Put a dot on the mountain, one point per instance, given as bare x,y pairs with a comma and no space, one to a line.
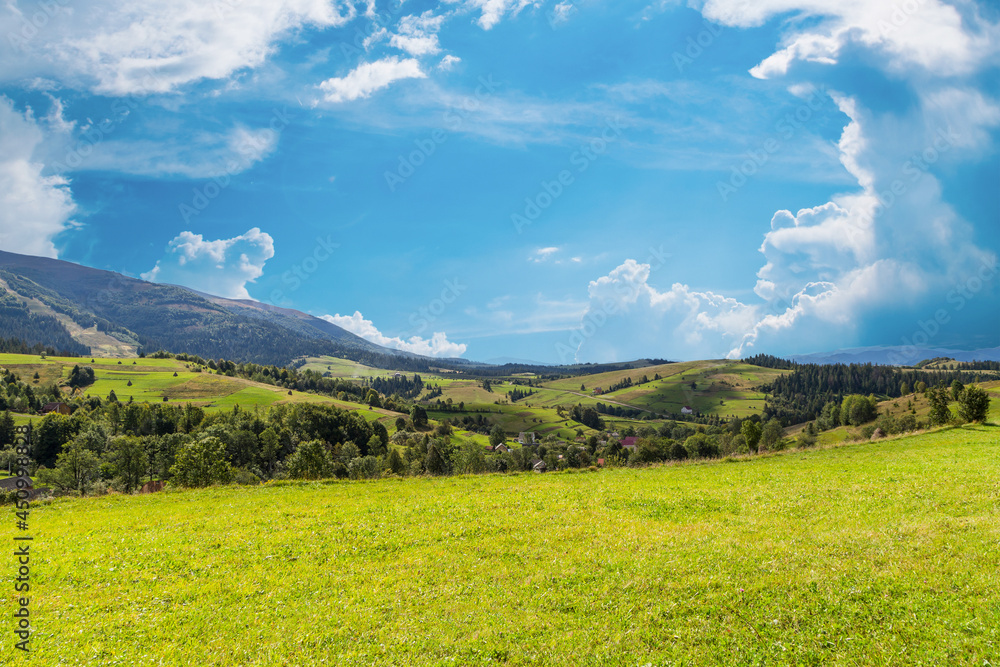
895,356
88,311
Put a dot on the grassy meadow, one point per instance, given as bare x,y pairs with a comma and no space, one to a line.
874,553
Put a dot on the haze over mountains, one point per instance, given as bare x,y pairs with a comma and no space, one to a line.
89,311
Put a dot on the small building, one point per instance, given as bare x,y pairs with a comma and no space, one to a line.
687,411
600,462
153,487
598,391
526,437
59,408
10,484
539,466
502,448
629,443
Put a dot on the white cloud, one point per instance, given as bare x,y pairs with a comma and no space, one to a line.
149,46
222,267
368,78
437,345
448,62
493,11
204,155
561,13
889,245
927,33
418,34
34,208
543,254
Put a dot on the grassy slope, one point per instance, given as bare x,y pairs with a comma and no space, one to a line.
725,388
866,554
153,379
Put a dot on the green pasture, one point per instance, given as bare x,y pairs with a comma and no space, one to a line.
867,554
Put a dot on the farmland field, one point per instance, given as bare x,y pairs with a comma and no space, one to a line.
875,553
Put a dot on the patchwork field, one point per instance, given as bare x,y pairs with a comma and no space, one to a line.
877,554
153,380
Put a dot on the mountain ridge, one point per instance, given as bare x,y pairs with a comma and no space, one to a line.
146,316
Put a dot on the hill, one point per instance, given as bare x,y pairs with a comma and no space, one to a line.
88,311
864,554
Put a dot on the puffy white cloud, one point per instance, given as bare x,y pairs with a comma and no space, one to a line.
34,207
493,11
418,34
437,345
627,314
148,46
891,245
926,33
368,78
448,62
222,267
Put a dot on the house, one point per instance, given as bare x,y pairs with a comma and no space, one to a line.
152,487
687,411
502,448
10,484
629,443
600,462
598,391
539,466
526,438
60,408
398,375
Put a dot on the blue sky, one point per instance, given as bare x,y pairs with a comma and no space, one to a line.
553,181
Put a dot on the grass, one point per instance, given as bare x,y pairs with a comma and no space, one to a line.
864,554
152,380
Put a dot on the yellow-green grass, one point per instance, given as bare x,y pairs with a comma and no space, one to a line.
721,388
916,404
877,554
724,388
345,368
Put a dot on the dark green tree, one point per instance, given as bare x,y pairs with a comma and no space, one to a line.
751,433
974,404
938,397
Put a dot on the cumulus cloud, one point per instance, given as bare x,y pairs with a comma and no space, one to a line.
368,78
892,245
148,46
222,267
437,345
493,11
417,35
926,33
34,207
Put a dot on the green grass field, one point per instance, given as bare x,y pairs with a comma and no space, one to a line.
868,554
152,380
